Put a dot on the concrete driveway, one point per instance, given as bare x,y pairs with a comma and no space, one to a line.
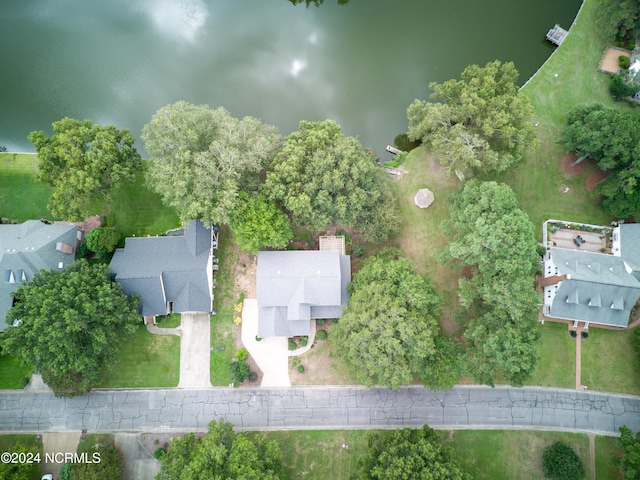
271,354
54,443
195,350
137,461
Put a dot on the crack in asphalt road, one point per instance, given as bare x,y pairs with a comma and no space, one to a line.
321,407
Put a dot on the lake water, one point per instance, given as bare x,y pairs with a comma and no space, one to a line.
118,61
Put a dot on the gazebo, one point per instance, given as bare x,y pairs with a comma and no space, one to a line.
424,198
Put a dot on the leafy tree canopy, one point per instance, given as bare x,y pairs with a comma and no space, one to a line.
561,462
480,124
630,461
618,19
20,471
256,223
222,454
203,158
386,334
82,161
102,240
110,466
408,454
68,325
495,239
323,178
612,138
607,135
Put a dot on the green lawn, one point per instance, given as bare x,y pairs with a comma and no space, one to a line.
511,454
94,438
145,361
222,322
568,78
420,234
606,453
557,363
8,441
139,211
21,196
610,361
318,454
11,372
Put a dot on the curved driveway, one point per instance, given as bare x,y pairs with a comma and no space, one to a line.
320,407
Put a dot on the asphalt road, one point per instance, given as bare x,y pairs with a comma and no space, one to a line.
320,407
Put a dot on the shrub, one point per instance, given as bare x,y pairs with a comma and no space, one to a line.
321,335
303,342
102,240
239,371
253,376
24,381
83,250
292,345
624,61
159,453
620,87
156,441
358,251
258,339
110,221
65,471
561,462
301,368
320,321
242,354
334,321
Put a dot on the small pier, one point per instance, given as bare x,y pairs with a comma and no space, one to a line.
557,35
393,150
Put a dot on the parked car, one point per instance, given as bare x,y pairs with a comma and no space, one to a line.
47,476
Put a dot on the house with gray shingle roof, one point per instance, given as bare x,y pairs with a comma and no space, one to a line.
294,287
27,248
170,274
594,287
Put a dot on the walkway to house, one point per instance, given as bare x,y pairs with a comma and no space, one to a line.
579,330
271,354
195,348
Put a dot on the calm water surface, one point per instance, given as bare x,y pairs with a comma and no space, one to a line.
118,61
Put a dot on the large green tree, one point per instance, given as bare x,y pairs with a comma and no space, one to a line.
102,240
68,325
21,470
492,237
109,466
612,138
478,125
222,454
256,223
630,461
619,19
561,462
409,454
387,334
322,177
84,162
202,158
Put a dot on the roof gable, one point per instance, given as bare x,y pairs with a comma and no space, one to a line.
179,266
293,286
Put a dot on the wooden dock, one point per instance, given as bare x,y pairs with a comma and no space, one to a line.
557,35
393,150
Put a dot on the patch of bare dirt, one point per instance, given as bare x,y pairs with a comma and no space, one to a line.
245,276
320,367
568,168
595,178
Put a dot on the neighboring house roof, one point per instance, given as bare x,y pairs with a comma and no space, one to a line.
296,286
27,248
598,288
174,269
